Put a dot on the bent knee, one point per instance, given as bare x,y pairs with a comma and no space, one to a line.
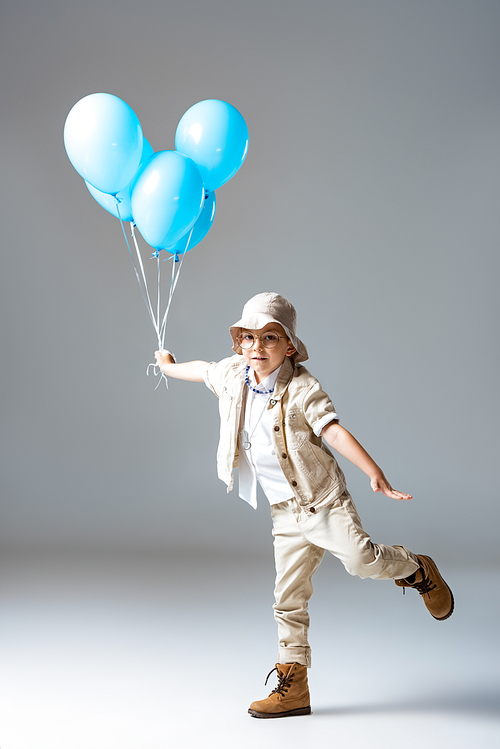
362,562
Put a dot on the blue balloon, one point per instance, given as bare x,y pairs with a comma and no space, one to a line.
124,196
103,139
200,229
214,134
167,198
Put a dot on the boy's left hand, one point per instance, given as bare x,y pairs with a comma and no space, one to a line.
382,485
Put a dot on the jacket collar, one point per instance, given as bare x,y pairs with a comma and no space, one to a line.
284,377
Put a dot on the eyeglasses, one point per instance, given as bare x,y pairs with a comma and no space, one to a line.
268,340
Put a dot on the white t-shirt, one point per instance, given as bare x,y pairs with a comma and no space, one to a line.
259,461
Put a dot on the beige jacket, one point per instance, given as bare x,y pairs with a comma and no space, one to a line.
297,403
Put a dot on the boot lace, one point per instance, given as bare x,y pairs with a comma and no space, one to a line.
424,587
284,681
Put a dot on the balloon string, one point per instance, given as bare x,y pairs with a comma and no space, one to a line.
158,373
156,369
173,284
158,279
143,285
141,265
144,292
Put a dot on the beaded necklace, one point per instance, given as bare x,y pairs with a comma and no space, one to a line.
246,439
247,382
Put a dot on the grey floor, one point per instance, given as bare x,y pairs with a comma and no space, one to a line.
154,652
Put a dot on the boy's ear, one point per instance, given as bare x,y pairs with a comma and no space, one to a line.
291,350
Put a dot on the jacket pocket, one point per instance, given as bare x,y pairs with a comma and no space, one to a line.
296,430
320,471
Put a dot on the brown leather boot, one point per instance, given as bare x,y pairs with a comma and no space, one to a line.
290,697
436,594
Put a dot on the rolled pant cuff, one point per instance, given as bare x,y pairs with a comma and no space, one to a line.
411,557
295,655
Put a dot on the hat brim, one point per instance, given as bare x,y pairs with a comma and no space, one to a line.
259,320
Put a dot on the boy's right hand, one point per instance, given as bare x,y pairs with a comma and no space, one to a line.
164,357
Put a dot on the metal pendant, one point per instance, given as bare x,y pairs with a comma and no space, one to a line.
245,441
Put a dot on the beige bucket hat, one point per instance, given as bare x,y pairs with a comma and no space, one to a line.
264,308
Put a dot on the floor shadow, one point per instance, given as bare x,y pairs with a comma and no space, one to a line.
484,704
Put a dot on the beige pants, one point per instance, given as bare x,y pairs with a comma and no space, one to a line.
300,542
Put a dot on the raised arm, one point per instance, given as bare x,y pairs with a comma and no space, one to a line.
344,443
192,371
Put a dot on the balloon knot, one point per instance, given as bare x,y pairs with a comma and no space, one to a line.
156,254
176,258
158,373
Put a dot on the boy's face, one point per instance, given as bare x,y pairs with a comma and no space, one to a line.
265,360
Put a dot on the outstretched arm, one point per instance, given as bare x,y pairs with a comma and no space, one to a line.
191,371
344,443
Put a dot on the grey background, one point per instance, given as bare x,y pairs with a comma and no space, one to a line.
135,593
369,198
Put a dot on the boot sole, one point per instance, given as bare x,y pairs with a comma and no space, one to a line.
288,713
443,618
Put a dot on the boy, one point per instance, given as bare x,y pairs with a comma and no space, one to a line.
274,418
